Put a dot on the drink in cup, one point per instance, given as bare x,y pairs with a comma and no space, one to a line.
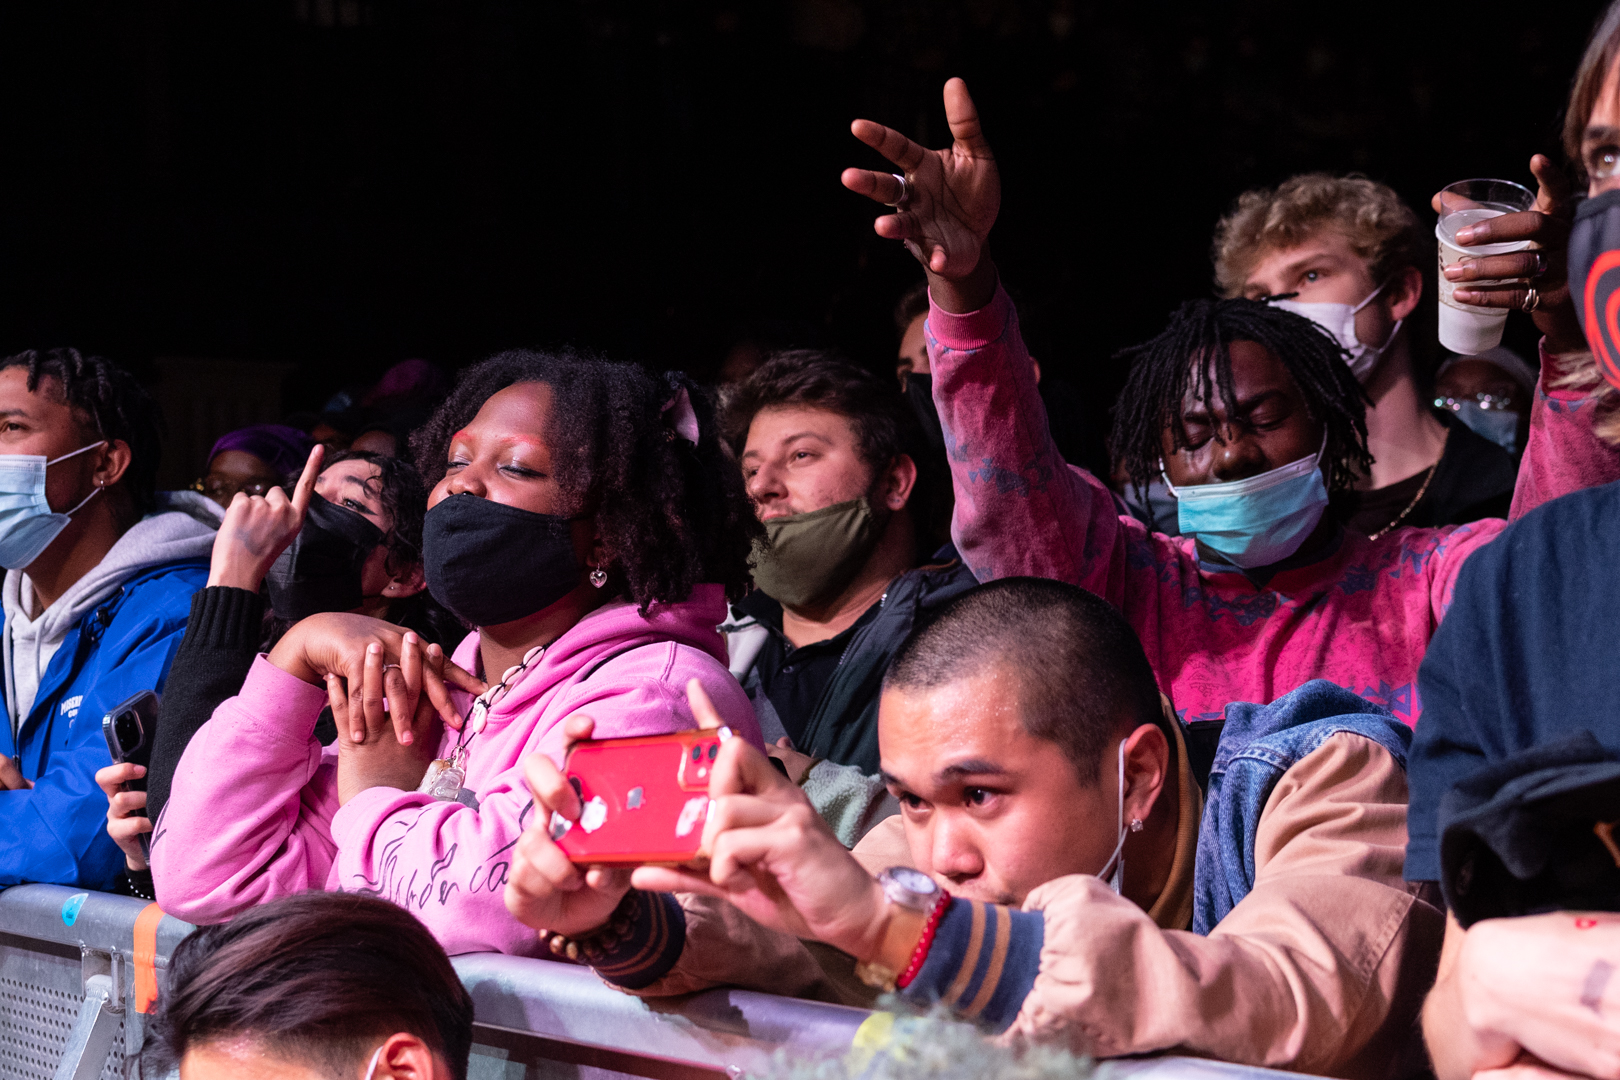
1465,328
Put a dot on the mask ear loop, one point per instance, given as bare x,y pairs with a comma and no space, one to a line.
376,1057
93,491
1114,869
1384,348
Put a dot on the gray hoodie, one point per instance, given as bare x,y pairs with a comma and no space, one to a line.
182,527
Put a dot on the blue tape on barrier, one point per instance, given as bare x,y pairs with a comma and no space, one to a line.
71,906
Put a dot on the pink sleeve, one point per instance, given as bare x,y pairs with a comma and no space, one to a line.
1020,509
1563,453
249,816
448,863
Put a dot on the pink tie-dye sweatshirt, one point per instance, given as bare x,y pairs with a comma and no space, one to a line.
1361,614
254,813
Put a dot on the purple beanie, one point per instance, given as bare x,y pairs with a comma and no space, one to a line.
283,448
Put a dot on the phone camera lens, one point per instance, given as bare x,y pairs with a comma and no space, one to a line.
697,753
714,751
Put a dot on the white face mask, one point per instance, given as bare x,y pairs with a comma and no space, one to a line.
27,523
1339,320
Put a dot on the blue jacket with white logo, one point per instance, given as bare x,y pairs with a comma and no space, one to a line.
56,831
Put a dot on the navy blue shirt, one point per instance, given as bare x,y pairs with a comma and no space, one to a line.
1525,655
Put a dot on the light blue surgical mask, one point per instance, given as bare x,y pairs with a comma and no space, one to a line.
27,523
1498,425
1258,520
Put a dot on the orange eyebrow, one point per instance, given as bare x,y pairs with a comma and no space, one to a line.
462,434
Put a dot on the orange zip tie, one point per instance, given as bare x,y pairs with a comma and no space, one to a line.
146,928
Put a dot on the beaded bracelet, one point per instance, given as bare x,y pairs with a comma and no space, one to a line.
595,946
919,955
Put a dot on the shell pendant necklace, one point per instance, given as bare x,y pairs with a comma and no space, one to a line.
445,776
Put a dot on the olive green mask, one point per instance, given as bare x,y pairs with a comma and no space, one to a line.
813,557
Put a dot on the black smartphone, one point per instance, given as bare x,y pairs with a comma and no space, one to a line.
129,729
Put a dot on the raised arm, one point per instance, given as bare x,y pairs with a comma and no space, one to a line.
1019,508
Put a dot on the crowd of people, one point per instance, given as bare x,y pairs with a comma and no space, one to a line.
1282,744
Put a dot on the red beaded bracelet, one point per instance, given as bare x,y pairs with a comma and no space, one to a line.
919,955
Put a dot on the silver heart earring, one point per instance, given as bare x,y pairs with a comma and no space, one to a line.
598,577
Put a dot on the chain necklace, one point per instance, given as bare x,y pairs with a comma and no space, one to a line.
1400,517
445,776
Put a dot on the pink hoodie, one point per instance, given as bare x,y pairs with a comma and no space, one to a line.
254,813
1360,615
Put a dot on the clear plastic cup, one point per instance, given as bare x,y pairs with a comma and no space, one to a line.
1465,328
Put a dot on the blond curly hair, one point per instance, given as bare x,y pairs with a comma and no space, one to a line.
1381,228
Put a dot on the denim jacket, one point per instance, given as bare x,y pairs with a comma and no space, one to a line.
1258,744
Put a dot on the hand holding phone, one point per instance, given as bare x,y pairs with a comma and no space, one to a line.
129,729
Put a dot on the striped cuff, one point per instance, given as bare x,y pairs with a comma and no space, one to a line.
656,939
982,963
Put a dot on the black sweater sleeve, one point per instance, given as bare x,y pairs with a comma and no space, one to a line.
222,639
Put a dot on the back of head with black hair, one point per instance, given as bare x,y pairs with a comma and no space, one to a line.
111,405
671,515
1082,673
912,303
1167,368
884,425
319,979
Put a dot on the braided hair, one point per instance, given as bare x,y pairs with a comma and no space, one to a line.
671,515
1167,368
108,401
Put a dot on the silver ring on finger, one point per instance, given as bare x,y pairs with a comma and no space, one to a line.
905,192
1532,299
390,667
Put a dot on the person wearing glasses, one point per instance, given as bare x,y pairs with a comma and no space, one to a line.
253,460
1490,393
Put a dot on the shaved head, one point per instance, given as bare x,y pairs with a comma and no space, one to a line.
1083,677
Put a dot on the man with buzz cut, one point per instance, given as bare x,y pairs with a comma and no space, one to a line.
1057,872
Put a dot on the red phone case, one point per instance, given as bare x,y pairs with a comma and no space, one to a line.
645,799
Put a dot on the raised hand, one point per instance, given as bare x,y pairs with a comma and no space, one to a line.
1546,270
771,854
950,197
544,889
258,528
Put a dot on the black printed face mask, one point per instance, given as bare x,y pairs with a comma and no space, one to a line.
491,563
320,570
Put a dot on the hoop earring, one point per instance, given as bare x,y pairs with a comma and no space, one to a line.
598,577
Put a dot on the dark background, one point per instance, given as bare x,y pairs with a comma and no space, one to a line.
341,184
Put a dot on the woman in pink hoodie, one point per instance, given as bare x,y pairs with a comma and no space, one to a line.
584,519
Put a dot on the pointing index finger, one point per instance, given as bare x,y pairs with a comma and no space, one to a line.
306,481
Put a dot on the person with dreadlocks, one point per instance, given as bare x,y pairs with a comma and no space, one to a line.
100,569
1254,420
586,522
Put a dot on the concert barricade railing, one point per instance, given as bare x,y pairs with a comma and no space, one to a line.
76,967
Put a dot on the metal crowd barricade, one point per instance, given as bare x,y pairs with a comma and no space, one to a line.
67,1010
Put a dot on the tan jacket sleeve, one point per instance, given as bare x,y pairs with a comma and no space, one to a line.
1321,968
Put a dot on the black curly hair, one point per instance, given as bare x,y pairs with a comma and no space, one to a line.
1165,369
671,515
111,404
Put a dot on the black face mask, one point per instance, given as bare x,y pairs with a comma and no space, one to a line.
1594,274
919,394
320,570
491,563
